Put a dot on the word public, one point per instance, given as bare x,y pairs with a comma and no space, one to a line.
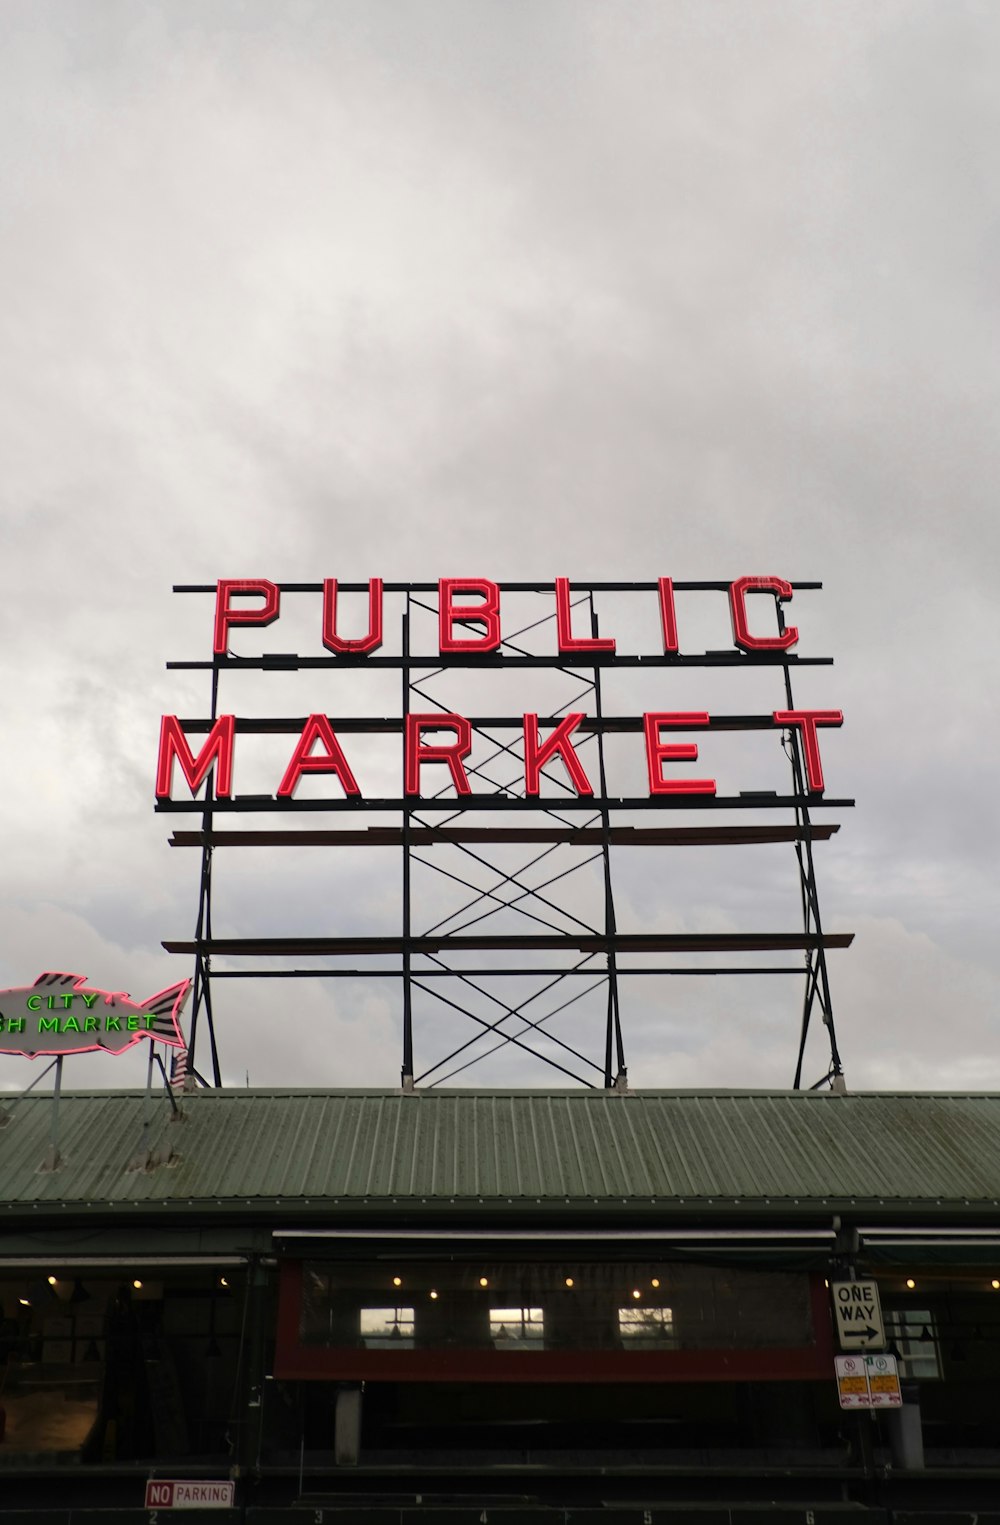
454,615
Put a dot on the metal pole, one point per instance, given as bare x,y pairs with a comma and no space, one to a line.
614,1027
817,979
52,1160
406,1077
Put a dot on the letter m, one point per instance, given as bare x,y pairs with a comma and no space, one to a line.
218,749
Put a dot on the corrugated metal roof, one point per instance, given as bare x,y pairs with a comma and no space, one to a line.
511,1149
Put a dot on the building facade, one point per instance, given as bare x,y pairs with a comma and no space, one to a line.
519,1306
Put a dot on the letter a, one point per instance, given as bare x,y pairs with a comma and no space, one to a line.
317,728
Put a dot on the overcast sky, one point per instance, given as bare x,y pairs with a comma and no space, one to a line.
515,290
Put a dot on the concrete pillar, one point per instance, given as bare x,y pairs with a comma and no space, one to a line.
347,1427
906,1436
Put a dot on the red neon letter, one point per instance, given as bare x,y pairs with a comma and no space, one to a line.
487,613
809,720
658,752
538,753
226,615
359,644
668,614
738,591
218,749
564,625
417,753
317,728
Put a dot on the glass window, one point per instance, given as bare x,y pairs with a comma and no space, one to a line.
646,1328
517,1328
387,1328
913,1333
554,1306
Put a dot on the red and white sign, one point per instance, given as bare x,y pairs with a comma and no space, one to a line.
174,1493
868,1382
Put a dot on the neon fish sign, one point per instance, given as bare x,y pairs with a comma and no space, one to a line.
62,1014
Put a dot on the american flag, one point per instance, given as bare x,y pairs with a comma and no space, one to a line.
179,1068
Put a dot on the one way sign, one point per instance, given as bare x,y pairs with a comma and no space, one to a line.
858,1315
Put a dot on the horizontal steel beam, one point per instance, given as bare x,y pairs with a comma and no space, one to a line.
505,587
537,971
622,943
442,836
763,799
281,725
290,661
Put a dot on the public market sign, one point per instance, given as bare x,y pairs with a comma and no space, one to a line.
62,1014
471,632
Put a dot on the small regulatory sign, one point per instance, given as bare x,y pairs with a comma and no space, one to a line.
883,1382
868,1382
852,1382
858,1314
174,1493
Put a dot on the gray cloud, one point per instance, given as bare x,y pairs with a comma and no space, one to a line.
432,288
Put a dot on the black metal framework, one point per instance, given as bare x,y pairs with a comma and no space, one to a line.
568,835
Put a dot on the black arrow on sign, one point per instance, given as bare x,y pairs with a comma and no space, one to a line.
855,1334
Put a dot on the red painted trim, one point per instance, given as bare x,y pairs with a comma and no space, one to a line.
294,1361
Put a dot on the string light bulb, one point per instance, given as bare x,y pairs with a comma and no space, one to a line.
484,1281
433,1296
910,1283
397,1281
636,1293
137,1285
569,1281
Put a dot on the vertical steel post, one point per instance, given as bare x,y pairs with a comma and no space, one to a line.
614,1026
203,930
817,978
406,1077
52,1160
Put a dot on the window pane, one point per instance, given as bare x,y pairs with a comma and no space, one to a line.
517,1328
387,1328
646,1328
914,1334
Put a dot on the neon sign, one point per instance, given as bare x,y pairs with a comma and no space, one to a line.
444,737
570,781
62,1014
